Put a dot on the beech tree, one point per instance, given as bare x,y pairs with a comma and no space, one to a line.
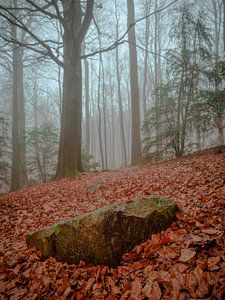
224,27
75,29
19,169
119,94
87,107
15,56
134,90
75,25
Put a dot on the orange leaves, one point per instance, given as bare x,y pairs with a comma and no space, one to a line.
187,261
165,240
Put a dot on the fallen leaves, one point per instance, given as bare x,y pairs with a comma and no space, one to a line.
187,261
186,255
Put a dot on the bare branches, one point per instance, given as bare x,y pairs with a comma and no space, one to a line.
7,14
43,9
14,20
60,18
86,22
121,41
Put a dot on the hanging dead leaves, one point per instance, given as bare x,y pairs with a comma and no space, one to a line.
187,261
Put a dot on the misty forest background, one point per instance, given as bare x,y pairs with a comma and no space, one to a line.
147,77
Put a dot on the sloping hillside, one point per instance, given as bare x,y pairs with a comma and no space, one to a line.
187,261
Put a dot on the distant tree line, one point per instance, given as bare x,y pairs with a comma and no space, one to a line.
91,84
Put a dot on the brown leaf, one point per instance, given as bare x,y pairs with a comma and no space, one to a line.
186,255
212,231
136,288
156,292
147,290
191,284
89,284
213,263
18,294
180,268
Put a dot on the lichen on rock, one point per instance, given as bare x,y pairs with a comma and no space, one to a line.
104,235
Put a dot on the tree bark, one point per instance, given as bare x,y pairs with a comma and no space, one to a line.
218,120
147,34
19,169
104,113
157,104
113,123
70,158
87,108
224,27
100,117
217,27
121,117
37,150
134,90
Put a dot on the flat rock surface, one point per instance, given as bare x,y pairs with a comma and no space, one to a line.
104,235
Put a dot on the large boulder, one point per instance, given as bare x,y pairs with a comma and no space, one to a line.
104,235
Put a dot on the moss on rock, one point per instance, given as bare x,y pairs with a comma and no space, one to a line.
104,235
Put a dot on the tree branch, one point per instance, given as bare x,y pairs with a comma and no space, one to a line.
43,9
60,18
17,22
86,22
120,40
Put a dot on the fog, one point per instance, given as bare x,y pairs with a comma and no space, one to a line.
90,86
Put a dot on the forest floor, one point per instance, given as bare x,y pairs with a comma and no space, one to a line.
187,261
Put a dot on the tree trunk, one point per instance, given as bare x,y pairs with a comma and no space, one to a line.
221,137
224,27
121,117
157,106
87,108
104,113
69,162
147,23
198,134
93,118
113,123
217,28
36,141
100,117
220,126
69,158
135,109
19,170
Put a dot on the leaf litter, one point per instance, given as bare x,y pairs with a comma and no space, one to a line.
186,261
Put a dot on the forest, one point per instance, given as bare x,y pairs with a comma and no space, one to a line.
150,85
103,103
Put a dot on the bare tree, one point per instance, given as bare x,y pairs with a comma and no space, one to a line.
224,26
75,29
99,112
134,90
19,169
118,76
87,107
75,25
147,35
